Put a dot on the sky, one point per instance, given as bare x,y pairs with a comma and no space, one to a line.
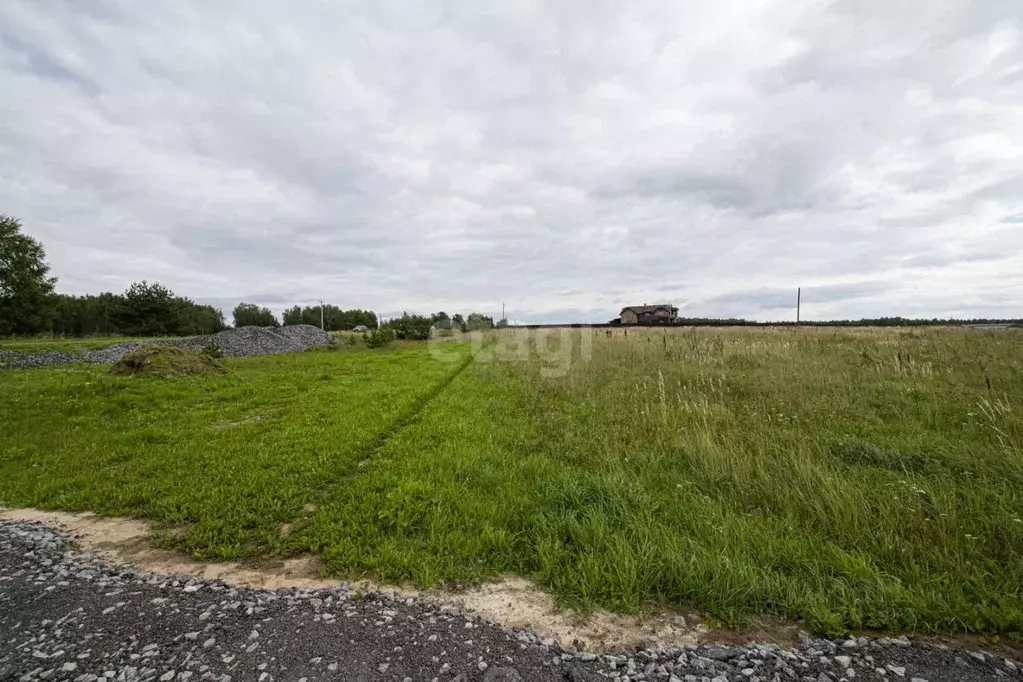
564,158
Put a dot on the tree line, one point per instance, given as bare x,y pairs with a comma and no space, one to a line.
29,305
333,317
418,327
144,309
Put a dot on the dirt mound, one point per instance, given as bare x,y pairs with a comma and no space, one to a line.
166,361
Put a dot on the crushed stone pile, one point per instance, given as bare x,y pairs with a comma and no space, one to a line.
246,341
234,343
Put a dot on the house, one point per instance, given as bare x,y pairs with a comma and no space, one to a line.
663,313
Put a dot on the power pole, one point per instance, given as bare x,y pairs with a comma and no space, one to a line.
502,311
799,300
321,316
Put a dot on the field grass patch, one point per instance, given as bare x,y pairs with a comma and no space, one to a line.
166,362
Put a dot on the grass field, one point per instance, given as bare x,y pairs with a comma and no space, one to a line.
852,478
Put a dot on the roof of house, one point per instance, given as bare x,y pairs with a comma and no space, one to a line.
640,309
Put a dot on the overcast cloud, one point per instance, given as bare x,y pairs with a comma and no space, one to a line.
565,158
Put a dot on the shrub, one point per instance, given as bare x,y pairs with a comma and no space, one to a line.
378,337
212,350
411,327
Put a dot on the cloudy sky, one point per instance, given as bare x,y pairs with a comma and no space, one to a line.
565,158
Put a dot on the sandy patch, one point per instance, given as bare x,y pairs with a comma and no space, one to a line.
517,603
126,541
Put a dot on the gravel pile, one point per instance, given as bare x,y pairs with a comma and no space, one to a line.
235,343
246,341
64,616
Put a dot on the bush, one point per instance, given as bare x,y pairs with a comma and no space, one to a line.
212,350
166,361
378,338
411,327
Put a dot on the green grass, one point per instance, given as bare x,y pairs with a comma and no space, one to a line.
229,457
851,478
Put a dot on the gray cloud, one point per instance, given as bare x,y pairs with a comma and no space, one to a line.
565,159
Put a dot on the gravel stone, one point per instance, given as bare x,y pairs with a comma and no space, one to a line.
234,343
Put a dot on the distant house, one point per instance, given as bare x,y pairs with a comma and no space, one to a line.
664,313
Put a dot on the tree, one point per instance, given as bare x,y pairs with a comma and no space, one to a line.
192,319
457,321
145,309
334,318
477,321
251,315
441,320
148,310
410,327
27,302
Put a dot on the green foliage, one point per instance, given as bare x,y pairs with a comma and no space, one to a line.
410,327
334,318
478,322
26,290
377,338
147,310
143,310
251,315
442,321
213,350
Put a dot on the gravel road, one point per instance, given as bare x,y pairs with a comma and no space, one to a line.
65,616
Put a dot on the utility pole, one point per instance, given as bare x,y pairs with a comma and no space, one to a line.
502,311
321,316
799,300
